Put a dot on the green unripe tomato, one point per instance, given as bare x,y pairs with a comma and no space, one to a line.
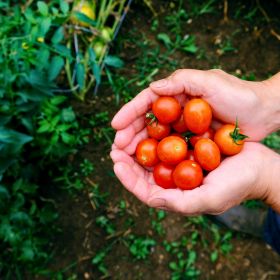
106,34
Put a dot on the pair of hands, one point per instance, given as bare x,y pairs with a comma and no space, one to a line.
247,175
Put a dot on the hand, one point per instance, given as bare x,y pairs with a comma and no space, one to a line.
247,175
229,98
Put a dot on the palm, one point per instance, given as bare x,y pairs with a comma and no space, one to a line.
228,185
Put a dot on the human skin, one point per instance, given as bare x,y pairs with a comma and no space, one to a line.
251,174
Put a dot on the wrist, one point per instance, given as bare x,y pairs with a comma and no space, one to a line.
269,93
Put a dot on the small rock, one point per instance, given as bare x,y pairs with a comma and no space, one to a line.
86,275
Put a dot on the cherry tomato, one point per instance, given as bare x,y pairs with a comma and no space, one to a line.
229,139
172,149
209,133
163,175
187,175
158,130
146,152
179,125
197,115
190,155
207,154
166,109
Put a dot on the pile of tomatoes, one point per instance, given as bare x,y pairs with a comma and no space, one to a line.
182,147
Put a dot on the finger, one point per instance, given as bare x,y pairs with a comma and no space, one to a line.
134,109
131,148
124,136
187,81
192,202
137,185
121,156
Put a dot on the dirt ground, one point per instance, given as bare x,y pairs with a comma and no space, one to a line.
256,51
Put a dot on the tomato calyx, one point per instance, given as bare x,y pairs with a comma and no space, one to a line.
188,135
151,118
236,135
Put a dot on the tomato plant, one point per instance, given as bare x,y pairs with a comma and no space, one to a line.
229,139
146,152
197,115
172,149
207,154
166,109
187,175
163,175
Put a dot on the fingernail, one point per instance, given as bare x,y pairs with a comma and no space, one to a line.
159,83
158,203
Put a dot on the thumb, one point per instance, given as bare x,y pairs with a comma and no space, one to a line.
189,81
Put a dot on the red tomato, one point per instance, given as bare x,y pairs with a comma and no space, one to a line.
229,139
187,175
158,130
207,154
146,152
190,155
209,133
172,149
179,125
166,109
163,175
197,115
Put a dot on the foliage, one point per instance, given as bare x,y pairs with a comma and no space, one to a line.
38,128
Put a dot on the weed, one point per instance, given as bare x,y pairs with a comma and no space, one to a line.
140,247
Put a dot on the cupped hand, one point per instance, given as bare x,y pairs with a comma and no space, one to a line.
241,177
235,180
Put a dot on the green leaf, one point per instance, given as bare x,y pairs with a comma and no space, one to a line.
13,137
58,35
190,49
163,37
68,138
82,17
80,68
113,61
96,72
173,266
45,26
55,67
43,8
44,127
4,194
68,115
64,51
64,6
214,256
57,100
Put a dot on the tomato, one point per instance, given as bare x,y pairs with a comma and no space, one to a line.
85,8
106,34
172,149
158,130
179,125
163,175
190,155
187,175
207,154
229,139
166,109
197,115
209,133
99,48
146,152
